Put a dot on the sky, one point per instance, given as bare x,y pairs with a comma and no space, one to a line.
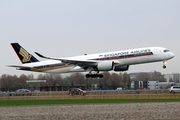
64,28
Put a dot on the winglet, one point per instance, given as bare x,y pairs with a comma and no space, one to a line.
41,55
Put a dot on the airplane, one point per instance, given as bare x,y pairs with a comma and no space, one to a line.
93,63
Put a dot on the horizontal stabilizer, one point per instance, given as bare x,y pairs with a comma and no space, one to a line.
20,67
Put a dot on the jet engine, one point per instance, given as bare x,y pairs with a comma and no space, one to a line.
121,68
105,66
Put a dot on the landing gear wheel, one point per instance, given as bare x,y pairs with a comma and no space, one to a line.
164,66
94,75
88,75
100,75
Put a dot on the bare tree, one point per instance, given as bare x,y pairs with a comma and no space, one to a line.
76,78
126,80
143,76
116,80
7,82
157,76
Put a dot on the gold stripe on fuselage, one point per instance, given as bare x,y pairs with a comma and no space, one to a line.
42,69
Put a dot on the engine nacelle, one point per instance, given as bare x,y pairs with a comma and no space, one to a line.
105,66
121,68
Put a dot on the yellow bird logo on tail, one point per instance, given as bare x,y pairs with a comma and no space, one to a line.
25,54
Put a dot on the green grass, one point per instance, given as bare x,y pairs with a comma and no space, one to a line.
79,101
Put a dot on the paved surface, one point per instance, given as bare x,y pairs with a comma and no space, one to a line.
122,111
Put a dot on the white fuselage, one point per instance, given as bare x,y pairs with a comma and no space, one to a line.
120,58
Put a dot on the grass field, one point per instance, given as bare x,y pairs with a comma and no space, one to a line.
79,101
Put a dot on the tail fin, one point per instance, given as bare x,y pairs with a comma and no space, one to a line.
23,55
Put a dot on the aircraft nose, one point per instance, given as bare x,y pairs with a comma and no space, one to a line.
172,55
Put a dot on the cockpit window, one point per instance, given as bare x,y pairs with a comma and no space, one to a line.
166,51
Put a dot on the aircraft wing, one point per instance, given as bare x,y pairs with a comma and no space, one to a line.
81,63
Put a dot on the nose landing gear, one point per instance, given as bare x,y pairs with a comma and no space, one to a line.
164,64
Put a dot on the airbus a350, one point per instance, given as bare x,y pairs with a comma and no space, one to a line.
93,63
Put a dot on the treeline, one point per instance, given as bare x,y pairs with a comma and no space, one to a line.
108,82
155,76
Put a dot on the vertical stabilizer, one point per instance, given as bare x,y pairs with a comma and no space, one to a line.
23,55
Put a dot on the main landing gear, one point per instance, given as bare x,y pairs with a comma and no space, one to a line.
94,75
164,64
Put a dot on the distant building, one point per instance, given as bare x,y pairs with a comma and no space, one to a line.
153,85
139,85
164,85
34,85
175,77
63,88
